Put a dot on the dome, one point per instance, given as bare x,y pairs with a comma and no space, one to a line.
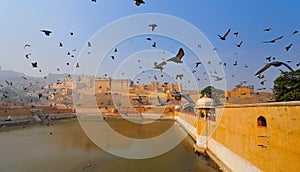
205,102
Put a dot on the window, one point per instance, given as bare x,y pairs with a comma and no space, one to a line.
261,121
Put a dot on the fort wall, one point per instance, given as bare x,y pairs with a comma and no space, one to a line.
254,137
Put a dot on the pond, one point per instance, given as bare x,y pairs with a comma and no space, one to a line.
63,146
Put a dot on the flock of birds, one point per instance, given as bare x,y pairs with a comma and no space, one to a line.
178,58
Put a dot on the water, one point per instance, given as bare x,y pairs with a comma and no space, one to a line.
63,146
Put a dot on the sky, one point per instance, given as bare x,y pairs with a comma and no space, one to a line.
21,22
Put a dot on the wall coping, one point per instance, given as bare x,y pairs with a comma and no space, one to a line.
290,103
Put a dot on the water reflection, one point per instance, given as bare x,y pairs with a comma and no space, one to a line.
69,149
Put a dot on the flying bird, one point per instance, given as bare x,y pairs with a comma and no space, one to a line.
93,0
77,65
225,35
46,32
267,29
26,45
178,57
60,44
239,45
153,26
161,103
295,32
197,64
159,66
218,78
89,44
275,64
236,34
139,2
154,44
148,39
274,40
27,55
179,76
116,50
113,57
287,48
34,64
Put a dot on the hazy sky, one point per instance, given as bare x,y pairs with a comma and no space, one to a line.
21,22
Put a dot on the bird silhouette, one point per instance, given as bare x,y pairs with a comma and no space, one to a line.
34,64
46,32
89,44
236,34
27,55
26,45
239,45
267,29
93,0
77,65
225,35
159,66
154,44
178,57
153,26
287,48
218,78
275,64
295,32
139,2
274,40
60,44
197,64
179,76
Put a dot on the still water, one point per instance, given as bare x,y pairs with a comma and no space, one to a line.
63,146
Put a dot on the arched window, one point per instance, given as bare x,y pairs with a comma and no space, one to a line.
261,121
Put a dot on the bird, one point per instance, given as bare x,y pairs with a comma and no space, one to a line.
71,33
275,64
225,64
89,44
148,39
161,103
263,82
178,57
298,64
179,76
287,48
239,45
225,35
236,34
274,40
218,78
139,2
246,66
267,29
46,32
112,57
77,65
34,64
154,44
159,66
235,63
60,44
153,26
26,45
93,0
295,32
27,55
116,50
197,64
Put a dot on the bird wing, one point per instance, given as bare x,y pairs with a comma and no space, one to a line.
289,67
180,54
278,38
227,33
263,69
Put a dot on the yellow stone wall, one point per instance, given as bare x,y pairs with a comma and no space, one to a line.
272,148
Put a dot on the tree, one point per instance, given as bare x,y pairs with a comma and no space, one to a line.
287,86
214,93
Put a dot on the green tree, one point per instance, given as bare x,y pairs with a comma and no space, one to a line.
214,93
287,86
